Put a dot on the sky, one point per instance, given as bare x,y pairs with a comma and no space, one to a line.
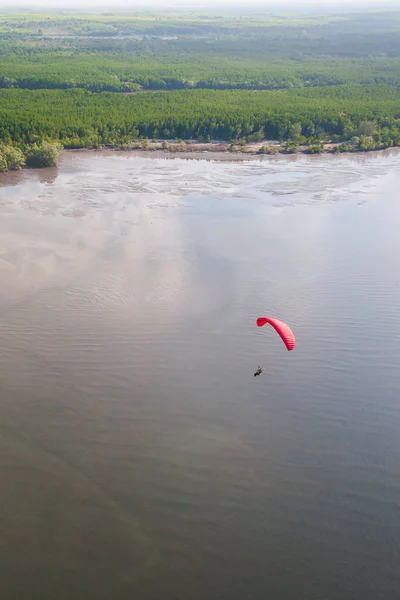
196,4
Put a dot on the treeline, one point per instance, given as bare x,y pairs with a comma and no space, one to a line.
64,69
363,34
78,118
181,52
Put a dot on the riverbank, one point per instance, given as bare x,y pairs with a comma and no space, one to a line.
228,151
48,154
215,146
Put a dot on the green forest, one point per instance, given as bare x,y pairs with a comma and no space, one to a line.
81,79
75,116
169,52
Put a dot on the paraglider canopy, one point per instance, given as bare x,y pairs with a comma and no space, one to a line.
282,328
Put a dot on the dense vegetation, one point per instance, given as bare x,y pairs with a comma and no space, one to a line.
44,154
228,77
130,52
80,118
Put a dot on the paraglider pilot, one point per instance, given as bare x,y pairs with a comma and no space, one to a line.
282,329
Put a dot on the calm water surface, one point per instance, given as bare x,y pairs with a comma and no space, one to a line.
139,458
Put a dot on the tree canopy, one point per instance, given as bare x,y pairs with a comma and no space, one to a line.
233,76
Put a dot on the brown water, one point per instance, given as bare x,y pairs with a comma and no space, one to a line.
139,457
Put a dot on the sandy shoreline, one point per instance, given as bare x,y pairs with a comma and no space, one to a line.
220,151
225,148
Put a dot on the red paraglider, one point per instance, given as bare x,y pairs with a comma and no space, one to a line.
282,328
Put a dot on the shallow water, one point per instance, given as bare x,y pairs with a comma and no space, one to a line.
139,456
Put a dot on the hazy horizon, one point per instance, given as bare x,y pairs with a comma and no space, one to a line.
275,5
